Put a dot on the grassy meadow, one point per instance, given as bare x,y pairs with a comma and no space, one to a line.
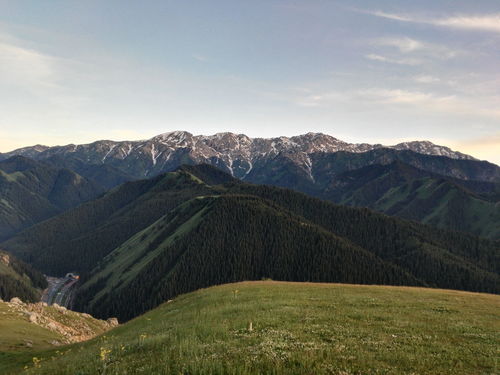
293,328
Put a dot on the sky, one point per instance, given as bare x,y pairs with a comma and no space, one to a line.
382,71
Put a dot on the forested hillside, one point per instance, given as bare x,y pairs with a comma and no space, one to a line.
401,190
31,191
215,240
18,279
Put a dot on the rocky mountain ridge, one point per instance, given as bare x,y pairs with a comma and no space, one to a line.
235,153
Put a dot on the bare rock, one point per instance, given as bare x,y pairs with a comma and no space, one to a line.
58,307
5,259
16,301
113,322
33,317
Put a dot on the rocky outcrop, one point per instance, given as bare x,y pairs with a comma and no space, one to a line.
70,325
16,301
113,322
5,259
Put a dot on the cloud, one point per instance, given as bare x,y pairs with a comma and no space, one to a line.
406,61
391,16
396,96
28,71
25,66
200,58
426,79
487,22
424,101
429,101
407,45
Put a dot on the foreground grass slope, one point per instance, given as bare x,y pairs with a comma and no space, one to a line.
296,328
27,328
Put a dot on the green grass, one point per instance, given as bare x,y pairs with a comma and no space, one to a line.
17,331
298,328
11,177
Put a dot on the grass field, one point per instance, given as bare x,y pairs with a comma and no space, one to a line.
295,328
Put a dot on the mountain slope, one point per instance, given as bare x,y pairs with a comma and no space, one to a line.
18,279
297,328
401,190
154,236
79,238
32,191
215,240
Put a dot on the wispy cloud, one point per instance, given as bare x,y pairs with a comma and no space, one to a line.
385,59
24,65
404,44
426,79
200,58
33,72
486,22
407,45
426,101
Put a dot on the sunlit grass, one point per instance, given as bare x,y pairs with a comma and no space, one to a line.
297,328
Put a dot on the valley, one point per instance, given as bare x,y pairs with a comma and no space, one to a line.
61,290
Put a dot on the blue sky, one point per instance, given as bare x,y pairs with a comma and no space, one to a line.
362,71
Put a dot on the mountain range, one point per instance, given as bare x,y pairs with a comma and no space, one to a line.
150,240
414,180
236,154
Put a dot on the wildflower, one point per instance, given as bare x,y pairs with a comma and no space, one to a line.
104,354
36,362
